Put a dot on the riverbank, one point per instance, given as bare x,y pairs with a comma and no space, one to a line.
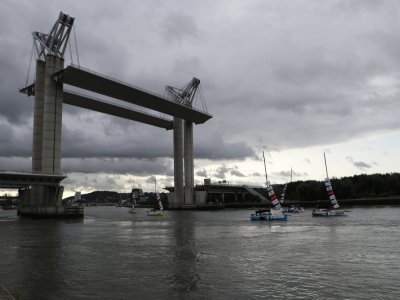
326,203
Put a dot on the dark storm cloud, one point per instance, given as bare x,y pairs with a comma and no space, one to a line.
276,75
15,140
16,163
140,167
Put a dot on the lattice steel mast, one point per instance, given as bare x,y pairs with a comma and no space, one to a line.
55,42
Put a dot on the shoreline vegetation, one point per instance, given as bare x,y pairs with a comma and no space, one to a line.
357,190
344,203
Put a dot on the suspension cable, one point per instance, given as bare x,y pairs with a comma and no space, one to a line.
30,63
70,51
203,101
76,47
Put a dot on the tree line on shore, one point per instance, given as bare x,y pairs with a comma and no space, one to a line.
353,187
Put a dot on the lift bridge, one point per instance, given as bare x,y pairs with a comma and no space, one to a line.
40,191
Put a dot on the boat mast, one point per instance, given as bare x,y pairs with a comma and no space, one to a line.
265,168
326,168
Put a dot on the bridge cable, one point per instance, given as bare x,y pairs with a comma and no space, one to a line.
70,51
76,47
29,67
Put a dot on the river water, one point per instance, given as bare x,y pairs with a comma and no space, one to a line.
111,254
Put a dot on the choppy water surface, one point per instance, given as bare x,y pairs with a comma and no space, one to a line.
111,254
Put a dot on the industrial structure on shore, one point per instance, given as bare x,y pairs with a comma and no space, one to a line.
40,191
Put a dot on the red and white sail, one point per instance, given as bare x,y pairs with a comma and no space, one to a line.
274,200
159,202
331,195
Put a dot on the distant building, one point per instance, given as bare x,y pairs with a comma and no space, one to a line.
137,196
226,194
78,196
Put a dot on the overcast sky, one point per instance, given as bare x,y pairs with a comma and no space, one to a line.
292,78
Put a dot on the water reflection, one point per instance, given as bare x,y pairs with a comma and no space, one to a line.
202,255
185,277
39,251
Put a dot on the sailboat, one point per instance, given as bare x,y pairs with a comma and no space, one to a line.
269,214
334,210
156,213
294,208
133,210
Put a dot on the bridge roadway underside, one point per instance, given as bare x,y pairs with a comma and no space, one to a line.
91,81
14,180
102,106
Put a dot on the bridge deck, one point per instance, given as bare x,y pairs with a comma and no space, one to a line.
102,106
91,81
19,180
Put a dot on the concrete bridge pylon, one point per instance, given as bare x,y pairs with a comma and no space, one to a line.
39,199
46,200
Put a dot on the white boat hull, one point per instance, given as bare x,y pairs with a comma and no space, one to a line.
328,213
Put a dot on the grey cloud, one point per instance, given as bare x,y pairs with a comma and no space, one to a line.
237,173
178,26
221,171
139,167
298,82
15,163
284,176
361,165
202,173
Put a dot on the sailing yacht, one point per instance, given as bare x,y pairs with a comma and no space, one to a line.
269,214
334,210
156,213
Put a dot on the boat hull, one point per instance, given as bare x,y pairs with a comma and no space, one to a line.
155,213
328,213
254,217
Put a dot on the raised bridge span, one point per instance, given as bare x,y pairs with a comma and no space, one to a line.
49,96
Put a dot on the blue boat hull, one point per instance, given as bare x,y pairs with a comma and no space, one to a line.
255,217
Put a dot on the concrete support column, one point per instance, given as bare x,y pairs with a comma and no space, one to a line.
36,196
38,117
178,161
52,117
188,162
